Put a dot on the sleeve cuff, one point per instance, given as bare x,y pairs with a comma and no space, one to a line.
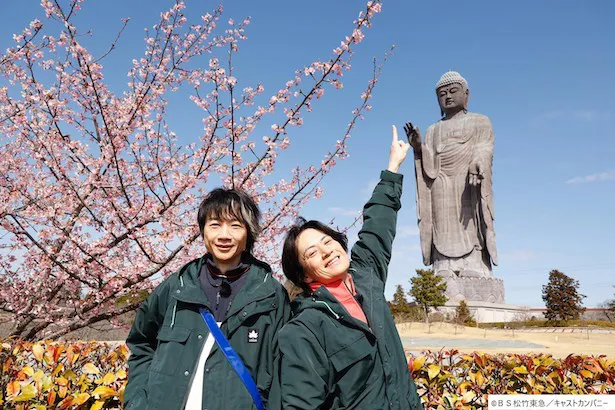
389,176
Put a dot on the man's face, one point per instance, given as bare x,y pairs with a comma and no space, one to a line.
225,239
323,259
452,97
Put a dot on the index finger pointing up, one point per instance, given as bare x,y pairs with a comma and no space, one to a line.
394,133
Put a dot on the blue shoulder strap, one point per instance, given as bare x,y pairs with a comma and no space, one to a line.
233,358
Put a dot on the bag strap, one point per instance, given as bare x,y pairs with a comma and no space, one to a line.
233,358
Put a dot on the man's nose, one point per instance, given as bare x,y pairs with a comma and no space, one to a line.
326,251
225,232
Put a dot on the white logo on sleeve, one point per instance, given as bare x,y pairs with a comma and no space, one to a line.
252,335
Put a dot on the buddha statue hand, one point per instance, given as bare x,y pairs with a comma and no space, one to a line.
476,173
414,136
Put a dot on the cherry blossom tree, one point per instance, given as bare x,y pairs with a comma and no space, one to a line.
98,194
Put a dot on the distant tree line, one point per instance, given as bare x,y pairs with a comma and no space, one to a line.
561,296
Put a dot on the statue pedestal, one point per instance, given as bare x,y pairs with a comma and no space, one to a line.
475,289
488,312
484,297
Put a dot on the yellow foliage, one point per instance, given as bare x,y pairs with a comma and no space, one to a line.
83,375
468,396
13,388
97,405
81,398
104,392
28,392
480,379
586,373
418,363
433,371
449,380
70,375
109,378
61,381
59,369
38,376
37,351
90,368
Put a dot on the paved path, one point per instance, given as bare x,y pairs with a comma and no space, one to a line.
559,330
551,330
413,342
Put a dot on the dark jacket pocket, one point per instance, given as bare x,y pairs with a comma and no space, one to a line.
249,315
171,346
353,365
355,351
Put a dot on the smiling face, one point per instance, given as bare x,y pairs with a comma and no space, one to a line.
323,259
225,239
452,98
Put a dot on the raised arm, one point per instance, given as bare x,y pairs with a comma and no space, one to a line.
399,150
380,214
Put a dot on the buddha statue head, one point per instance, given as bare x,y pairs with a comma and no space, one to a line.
453,94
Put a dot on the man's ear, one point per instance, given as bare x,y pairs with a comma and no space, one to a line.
467,99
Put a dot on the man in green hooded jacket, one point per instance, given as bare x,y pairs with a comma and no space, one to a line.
175,362
341,349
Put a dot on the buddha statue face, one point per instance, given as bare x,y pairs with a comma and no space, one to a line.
452,98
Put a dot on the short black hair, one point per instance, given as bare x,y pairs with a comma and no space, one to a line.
290,254
222,203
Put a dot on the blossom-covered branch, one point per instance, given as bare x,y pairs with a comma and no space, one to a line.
98,192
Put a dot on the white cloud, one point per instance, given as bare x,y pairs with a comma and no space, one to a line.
587,115
552,115
600,176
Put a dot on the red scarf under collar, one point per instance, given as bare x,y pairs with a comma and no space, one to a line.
344,293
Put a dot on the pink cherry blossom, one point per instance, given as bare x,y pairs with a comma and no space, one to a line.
98,194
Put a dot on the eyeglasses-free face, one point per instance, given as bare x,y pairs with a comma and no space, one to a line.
323,259
225,240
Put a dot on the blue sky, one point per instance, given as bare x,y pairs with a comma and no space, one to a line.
539,70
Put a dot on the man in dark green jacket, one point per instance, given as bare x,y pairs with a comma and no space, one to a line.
341,350
175,362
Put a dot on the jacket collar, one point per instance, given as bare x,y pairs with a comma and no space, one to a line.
231,274
344,292
324,301
258,285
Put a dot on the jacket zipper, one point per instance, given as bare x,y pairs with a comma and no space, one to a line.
173,315
181,283
328,307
